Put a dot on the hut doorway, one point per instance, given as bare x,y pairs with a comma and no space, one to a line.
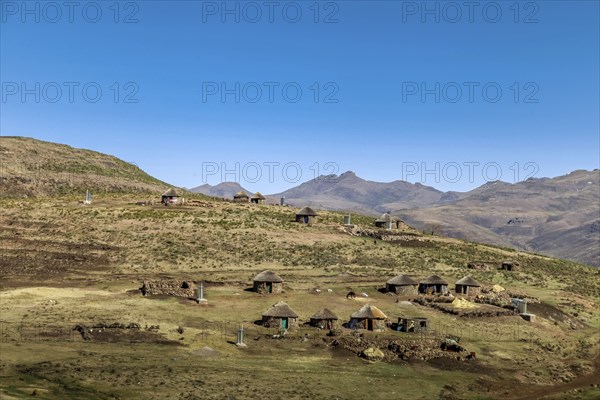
370,324
284,323
306,219
269,287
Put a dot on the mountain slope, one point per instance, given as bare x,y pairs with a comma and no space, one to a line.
30,167
349,192
558,216
555,216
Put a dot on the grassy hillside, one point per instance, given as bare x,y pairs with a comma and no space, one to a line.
65,265
30,167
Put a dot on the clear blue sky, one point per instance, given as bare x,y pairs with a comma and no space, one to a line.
371,61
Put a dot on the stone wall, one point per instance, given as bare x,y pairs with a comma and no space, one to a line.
169,287
405,290
262,287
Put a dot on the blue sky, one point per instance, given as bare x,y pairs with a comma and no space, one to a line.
426,92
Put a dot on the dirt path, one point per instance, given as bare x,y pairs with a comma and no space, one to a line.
535,393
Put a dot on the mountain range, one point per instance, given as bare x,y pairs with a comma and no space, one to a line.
223,189
557,216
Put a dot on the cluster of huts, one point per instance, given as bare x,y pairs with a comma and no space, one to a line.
243,197
306,215
433,284
368,316
282,316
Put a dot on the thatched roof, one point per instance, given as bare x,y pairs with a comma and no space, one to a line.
402,280
241,193
268,276
307,211
468,281
280,310
171,193
370,312
433,280
324,313
258,196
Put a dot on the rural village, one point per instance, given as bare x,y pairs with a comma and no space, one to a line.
220,294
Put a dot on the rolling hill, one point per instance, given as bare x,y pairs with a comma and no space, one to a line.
30,167
558,216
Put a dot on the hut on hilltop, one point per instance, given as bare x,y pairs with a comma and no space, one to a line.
306,216
257,198
171,196
240,197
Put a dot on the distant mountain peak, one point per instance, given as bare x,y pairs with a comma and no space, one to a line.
223,189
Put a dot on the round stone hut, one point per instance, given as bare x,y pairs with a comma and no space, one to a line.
368,317
267,282
171,196
257,198
324,319
306,216
468,286
433,284
403,285
280,316
240,197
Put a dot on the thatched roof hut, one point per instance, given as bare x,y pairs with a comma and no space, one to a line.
433,284
267,282
240,197
402,284
257,198
280,316
171,196
267,276
306,215
280,310
323,319
387,221
368,317
171,193
467,285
